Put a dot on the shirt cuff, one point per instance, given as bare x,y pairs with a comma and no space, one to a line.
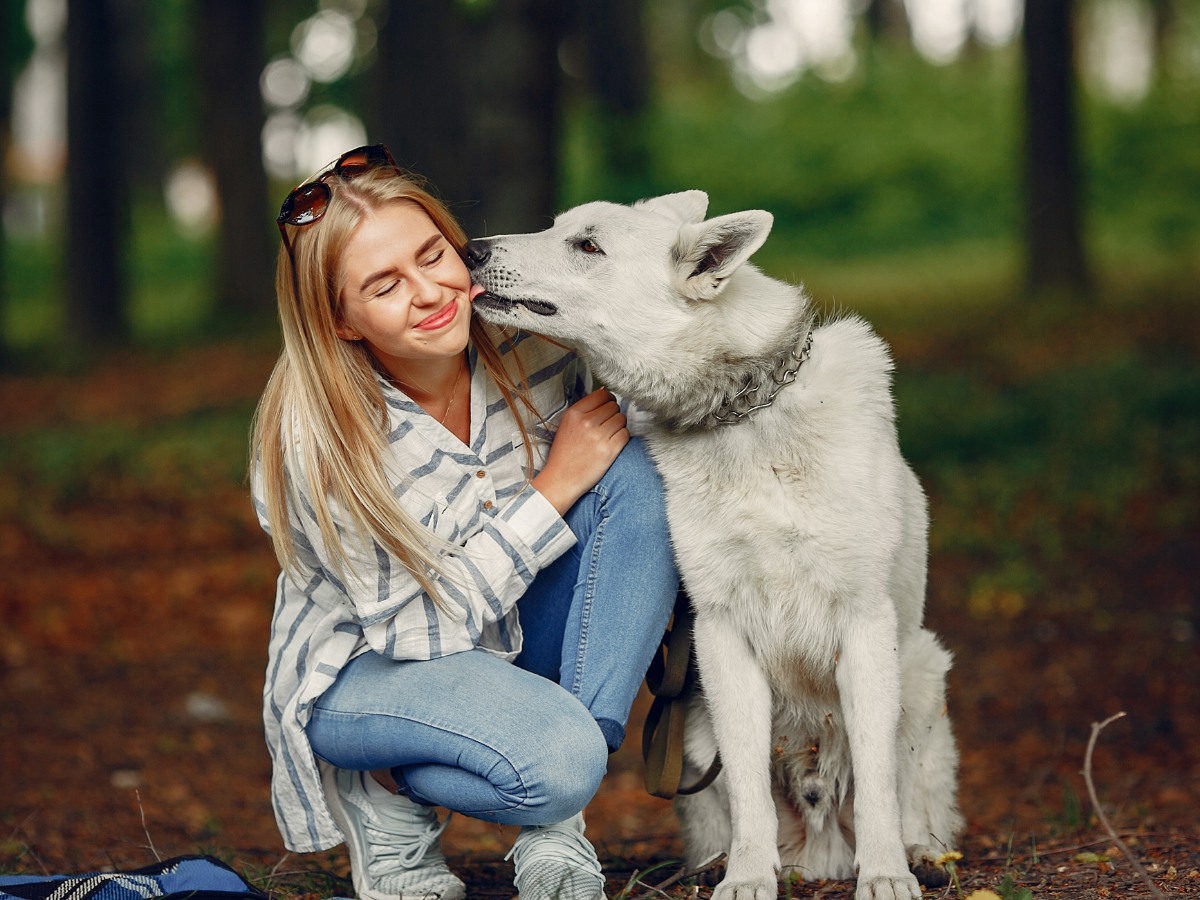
536,523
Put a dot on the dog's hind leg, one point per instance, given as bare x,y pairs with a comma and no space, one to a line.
928,759
739,700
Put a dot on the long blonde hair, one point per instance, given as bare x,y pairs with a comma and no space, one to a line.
322,418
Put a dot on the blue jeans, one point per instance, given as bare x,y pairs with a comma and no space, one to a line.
524,744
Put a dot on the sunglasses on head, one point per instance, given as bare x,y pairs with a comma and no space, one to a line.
308,202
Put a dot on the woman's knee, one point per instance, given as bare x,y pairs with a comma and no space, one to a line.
633,481
566,773
634,464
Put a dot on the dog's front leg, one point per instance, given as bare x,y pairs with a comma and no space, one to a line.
868,678
739,704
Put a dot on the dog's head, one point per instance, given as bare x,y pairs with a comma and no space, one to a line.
625,284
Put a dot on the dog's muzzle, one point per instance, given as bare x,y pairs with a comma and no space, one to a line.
476,255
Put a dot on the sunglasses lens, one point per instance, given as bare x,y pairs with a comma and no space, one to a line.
307,203
358,161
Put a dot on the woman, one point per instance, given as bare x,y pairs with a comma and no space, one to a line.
476,569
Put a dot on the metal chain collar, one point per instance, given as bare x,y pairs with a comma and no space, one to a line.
738,408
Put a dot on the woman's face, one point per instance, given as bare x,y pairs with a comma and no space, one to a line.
405,292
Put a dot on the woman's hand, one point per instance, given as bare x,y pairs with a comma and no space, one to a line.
589,437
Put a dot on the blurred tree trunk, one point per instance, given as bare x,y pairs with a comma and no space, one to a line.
8,17
1164,14
885,19
618,72
469,98
97,192
417,102
230,54
1055,257
514,88
140,130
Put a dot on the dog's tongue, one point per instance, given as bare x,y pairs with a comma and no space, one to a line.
476,290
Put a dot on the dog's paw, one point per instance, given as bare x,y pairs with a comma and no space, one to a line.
747,889
923,863
751,873
888,887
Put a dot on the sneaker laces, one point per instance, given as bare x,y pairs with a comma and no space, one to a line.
404,835
557,853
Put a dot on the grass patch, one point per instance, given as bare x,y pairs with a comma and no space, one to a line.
1038,476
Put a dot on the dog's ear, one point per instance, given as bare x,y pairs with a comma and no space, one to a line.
707,253
686,206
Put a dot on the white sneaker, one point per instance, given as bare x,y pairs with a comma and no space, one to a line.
393,842
556,862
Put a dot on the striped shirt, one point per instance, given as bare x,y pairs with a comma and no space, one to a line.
477,497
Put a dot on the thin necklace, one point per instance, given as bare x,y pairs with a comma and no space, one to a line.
453,396
453,391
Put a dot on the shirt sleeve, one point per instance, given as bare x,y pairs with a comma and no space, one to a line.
478,585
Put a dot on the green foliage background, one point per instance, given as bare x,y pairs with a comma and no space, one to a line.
903,182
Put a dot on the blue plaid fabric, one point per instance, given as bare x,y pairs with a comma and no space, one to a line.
195,877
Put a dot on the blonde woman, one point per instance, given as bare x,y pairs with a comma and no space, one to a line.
475,565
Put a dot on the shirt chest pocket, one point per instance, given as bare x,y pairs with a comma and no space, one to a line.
456,518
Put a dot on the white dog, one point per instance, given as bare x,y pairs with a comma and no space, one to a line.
799,529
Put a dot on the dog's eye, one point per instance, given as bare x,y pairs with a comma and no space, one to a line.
587,245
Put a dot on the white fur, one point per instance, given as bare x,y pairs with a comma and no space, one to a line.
800,535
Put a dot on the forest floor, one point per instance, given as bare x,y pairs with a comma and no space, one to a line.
136,604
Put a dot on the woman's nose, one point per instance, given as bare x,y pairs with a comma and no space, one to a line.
427,290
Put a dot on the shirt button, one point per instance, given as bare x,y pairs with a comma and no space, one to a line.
487,504
480,474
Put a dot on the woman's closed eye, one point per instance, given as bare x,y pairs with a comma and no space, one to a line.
386,288
434,258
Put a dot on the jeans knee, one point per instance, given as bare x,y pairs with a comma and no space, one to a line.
567,774
634,482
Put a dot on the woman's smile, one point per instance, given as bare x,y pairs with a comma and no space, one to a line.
439,319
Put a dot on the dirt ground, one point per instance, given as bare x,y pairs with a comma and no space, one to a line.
133,651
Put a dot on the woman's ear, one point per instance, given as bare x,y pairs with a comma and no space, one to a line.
345,332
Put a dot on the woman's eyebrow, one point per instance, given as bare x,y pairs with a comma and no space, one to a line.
425,247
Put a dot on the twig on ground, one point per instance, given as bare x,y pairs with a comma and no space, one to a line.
20,826
691,873
654,889
145,830
661,887
275,868
1009,857
1097,727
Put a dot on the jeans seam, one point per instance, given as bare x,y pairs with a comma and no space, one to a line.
590,589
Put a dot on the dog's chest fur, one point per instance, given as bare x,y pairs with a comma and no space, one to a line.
718,522
772,519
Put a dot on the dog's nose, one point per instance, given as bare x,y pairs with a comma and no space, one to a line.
477,253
